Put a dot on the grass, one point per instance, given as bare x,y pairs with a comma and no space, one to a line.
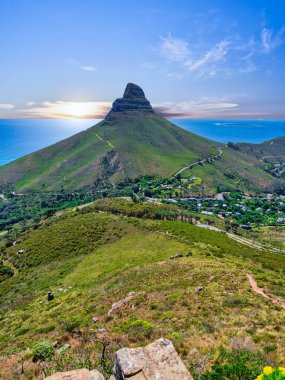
98,259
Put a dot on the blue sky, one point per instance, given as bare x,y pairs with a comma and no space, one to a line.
72,58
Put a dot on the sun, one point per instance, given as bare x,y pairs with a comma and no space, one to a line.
76,109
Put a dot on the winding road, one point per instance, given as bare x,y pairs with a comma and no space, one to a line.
220,152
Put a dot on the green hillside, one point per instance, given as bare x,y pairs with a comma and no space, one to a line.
271,148
97,259
129,145
133,141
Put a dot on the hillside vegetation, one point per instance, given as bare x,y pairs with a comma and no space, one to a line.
97,258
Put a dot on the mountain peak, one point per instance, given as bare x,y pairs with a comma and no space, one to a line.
133,91
133,100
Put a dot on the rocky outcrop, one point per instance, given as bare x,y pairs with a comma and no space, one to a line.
158,360
77,374
133,99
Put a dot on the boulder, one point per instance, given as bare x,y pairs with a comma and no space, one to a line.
158,360
199,289
178,255
50,296
119,304
77,374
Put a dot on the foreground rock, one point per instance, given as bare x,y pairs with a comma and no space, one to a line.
77,374
158,360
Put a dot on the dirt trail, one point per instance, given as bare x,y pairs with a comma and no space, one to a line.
260,291
100,138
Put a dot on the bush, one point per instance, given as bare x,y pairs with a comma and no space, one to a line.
139,328
71,324
43,351
270,373
236,301
5,272
238,371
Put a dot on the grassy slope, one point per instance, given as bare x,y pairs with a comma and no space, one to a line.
104,257
145,144
275,147
140,144
235,170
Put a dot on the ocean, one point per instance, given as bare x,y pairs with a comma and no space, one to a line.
19,137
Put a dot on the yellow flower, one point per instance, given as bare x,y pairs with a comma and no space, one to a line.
267,370
281,369
260,377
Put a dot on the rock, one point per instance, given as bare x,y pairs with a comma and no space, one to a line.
188,254
211,278
133,100
112,377
59,290
65,347
178,255
158,360
21,251
119,304
95,319
77,374
50,296
101,330
172,257
198,290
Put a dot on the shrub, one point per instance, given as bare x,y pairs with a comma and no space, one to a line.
270,348
46,329
270,373
43,351
237,371
71,324
23,331
236,301
5,272
139,328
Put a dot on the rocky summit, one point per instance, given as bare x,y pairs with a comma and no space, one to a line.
133,99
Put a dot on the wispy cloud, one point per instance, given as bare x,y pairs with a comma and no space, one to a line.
78,64
174,49
178,50
231,55
204,107
6,106
271,40
88,68
215,54
66,109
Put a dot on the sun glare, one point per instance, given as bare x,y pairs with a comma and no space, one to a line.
74,109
